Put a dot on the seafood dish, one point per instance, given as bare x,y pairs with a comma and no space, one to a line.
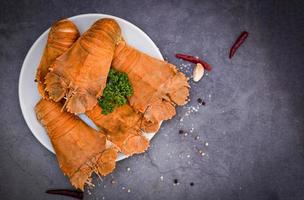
125,92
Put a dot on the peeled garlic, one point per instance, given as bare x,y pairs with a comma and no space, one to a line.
198,72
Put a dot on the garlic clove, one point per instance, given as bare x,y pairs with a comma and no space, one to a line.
198,72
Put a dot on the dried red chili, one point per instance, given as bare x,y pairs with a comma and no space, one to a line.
71,193
194,60
239,41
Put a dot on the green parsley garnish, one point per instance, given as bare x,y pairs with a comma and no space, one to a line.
117,90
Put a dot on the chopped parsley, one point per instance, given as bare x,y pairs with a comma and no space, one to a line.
116,92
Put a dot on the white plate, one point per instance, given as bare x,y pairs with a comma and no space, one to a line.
28,92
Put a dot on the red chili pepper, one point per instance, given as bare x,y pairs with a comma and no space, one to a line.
71,193
239,41
194,60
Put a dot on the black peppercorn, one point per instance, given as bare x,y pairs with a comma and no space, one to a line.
175,181
191,183
181,132
200,101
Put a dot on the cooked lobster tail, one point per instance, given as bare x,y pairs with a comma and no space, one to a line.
62,35
80,150
80,74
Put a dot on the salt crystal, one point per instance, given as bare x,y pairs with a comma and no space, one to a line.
188,156
123,187
128,169
129,190
161,178
206,144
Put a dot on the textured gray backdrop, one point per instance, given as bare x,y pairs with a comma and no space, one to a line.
252,121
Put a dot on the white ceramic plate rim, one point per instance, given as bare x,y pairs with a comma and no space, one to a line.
41,37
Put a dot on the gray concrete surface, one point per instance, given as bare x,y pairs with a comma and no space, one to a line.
252,121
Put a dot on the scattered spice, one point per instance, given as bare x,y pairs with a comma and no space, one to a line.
239,41
113,181
188,112
65,192
194,60
197,137
200,101
191,184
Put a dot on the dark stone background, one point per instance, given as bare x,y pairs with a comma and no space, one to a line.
252,121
